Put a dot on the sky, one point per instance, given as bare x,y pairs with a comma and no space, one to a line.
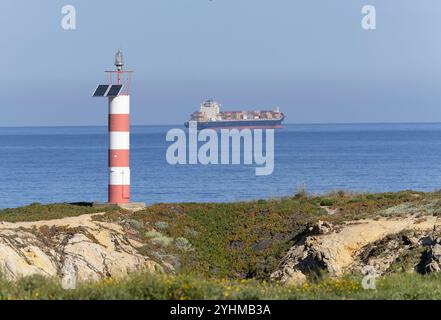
309,57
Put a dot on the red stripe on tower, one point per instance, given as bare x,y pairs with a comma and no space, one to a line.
119,122
119,158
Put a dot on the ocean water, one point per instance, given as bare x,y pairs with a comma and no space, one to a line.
69,164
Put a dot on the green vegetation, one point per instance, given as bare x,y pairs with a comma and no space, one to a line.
184,287
228,250
235,240
37,211
355,206
247,239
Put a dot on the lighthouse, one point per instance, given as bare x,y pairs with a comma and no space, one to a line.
117,91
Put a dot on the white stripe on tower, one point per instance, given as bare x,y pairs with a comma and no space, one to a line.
119,140
119,149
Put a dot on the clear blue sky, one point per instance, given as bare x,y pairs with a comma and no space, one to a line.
310,57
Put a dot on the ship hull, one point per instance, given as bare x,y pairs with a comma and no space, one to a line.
240,124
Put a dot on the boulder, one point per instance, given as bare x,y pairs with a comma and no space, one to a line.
433,259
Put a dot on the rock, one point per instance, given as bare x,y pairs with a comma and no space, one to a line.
291,278
133,206
410,240
322,248
321,227
426,241
436,251
433,259
432,266
289,271
71,249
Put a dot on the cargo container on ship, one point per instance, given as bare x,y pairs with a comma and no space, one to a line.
210,116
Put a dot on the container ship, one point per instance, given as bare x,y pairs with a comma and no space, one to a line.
210,116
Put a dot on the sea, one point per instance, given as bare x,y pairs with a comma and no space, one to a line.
69,164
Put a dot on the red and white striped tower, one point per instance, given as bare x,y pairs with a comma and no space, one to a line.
119,132
119,143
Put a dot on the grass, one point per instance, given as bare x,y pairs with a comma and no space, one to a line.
185,287
37,211
356,206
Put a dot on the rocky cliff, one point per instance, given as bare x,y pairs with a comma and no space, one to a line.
72,249
412,243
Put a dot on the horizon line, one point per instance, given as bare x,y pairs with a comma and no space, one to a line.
162,125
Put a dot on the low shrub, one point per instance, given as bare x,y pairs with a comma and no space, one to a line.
162,241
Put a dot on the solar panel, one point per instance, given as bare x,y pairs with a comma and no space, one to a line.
114,90
101,90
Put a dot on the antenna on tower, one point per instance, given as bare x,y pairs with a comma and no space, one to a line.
119,62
